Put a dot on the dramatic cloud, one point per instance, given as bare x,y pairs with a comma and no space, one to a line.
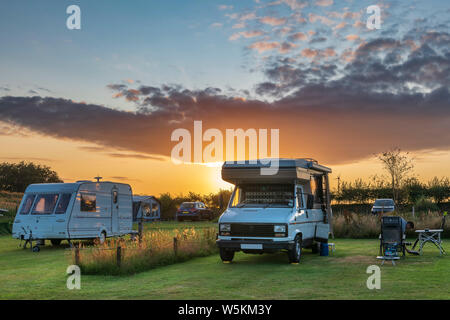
391,94
332,99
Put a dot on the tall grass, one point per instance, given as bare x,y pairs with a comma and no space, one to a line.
156,248
352,225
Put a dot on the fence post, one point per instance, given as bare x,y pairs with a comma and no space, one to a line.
77,255
119,255
140,227
175,245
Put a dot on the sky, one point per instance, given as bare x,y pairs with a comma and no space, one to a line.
104,99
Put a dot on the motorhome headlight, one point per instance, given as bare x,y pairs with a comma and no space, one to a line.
225,227
279,229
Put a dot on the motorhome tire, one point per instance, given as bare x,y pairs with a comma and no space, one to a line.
36,249
295,253
315,247
226,255
55,242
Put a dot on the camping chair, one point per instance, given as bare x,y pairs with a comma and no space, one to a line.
392,238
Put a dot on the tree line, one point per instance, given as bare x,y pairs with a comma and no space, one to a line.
411,191
15,177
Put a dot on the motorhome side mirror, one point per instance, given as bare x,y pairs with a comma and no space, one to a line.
310,202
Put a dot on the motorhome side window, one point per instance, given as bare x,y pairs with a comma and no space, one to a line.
317,189
64,200
300,203
88,202
27,204
45,204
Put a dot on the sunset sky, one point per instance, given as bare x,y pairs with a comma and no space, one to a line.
105,99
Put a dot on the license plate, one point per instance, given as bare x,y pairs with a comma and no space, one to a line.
185,211
254,246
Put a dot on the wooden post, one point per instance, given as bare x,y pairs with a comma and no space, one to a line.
119,255
175,245
140,227
77,255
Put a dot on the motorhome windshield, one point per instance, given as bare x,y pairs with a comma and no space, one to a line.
384,203
263,195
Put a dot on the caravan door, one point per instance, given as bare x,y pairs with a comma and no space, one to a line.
115,211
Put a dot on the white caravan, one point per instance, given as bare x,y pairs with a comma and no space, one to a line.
287,211
81,210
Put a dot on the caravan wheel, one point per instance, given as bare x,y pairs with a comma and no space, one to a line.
102,237
55,242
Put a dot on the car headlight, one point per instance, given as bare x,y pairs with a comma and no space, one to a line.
226,227
279,229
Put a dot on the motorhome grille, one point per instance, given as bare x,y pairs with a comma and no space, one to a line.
252,230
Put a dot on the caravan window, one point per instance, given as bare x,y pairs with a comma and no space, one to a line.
45,204
63,203
154,210
27,204
145,209
88,202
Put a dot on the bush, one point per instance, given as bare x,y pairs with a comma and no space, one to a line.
425,205
155,249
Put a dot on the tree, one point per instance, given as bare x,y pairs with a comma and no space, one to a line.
398,164
15,177
438,189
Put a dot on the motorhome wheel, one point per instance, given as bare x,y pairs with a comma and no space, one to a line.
315,247
295,253
226,255
36,249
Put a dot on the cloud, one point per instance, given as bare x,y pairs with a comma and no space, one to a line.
298,36
246,34
324,20
273,21
379,93
262,46
225,7
324,3
352,37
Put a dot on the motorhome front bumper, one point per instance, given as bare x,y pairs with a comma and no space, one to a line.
267,245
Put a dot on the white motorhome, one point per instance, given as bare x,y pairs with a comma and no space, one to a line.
287,211
81,210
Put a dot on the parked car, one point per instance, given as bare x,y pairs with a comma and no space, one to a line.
287,211
383,206
194,211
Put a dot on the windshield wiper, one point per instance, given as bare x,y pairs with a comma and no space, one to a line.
241,204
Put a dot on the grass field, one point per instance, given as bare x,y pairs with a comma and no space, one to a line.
27,275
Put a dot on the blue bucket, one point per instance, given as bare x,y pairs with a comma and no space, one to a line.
324,249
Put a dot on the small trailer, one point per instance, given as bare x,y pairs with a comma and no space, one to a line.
286,211
146,208
69,211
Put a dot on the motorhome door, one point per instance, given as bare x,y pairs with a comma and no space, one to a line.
115,210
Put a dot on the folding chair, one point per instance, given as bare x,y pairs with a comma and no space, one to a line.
392,237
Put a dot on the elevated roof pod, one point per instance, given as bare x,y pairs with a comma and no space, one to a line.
289,170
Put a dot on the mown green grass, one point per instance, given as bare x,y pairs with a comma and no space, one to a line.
27,275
